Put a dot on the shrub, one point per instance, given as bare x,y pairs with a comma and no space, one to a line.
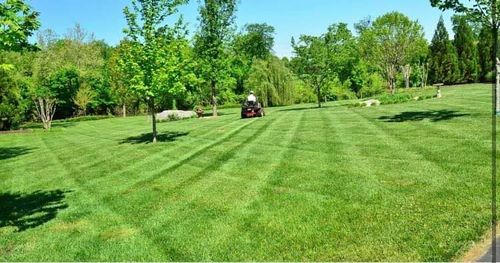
375,85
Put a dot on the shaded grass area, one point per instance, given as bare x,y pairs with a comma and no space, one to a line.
24,211
406,182
434,115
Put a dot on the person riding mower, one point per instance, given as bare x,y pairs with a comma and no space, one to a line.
251,108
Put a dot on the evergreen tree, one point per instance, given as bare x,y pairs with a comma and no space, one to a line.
485,48
466,49
443,57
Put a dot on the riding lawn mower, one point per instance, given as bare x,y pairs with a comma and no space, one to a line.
251,109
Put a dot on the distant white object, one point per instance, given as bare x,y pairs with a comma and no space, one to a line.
178,114
371,102
439,95
252,98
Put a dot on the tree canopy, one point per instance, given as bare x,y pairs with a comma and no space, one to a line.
17,23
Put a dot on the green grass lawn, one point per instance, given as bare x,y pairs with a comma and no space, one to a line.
397,182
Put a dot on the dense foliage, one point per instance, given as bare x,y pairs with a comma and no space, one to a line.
157,67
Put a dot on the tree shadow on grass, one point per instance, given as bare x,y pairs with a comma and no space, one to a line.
307,108
25,211
11,152
432,115
210,114
148,137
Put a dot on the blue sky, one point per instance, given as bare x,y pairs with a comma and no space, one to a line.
290,17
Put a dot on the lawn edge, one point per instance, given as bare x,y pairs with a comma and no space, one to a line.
477,249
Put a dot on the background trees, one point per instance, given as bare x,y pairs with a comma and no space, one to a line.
157,67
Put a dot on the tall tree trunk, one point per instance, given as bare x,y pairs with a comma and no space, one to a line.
153,117
406,74
318,90
390,78
214,98
393,88
124,110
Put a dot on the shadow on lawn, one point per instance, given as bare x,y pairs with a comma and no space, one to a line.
11,152
307,108
434,115
25,211
148,137
210,114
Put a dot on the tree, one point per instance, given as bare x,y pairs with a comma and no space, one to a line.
466,49
484,50
443,58
393,41
148,32
83,97
255,42
216,18
342,52
312,62
406,70
17,24
272,82
117,75
13,103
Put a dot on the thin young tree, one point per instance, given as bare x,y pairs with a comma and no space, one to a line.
216,19
84,97
147,31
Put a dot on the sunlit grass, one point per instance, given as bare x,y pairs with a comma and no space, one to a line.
397,182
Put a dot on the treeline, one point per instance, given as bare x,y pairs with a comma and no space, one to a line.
157,67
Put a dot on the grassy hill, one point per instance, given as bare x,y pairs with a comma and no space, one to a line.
398,182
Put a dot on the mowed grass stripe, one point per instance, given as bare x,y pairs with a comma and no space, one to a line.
180,199
108,217
444,190
141,224
83,169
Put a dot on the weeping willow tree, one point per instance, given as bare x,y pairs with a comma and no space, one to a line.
272,82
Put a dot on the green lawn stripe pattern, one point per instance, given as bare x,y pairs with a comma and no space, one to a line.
404,182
